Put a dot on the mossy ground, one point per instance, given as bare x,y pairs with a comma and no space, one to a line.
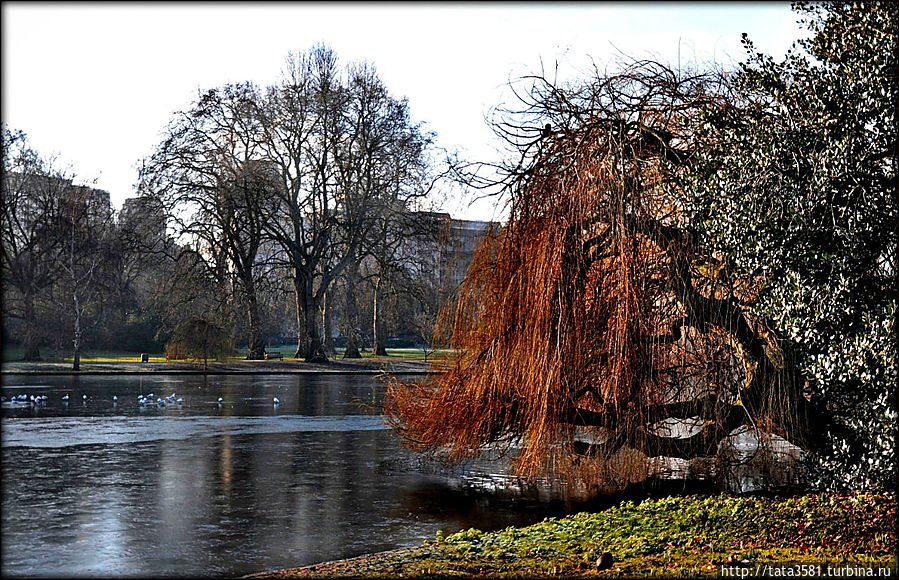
678,536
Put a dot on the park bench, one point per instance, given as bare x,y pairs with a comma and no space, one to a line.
274,355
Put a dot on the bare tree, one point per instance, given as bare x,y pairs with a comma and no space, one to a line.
209,172
300,121
32,188
307,164
87,233
345,150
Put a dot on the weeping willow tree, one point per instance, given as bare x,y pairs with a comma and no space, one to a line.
593,332
199,338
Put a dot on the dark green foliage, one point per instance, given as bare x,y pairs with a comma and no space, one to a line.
136,334
797,188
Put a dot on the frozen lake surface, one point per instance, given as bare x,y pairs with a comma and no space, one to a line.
97,487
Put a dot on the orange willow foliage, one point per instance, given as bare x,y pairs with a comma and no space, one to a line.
570,326
545,324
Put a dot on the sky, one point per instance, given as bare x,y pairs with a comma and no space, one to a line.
96,83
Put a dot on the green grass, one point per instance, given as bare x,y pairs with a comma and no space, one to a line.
14,354
678,536
112,356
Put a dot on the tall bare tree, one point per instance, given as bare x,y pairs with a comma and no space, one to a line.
345,150
87,234
209,172
308,165
386,174
32,188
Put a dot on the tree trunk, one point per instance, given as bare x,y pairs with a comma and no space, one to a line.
351,313
32,351
775,387
315,352
327,327
256,346
76,340
377,347
299,287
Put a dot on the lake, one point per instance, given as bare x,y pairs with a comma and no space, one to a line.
97,487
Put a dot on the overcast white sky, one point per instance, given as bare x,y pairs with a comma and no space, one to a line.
95,83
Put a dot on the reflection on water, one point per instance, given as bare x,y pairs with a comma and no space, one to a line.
201,489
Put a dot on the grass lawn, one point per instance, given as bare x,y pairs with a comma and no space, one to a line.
677,536
14,354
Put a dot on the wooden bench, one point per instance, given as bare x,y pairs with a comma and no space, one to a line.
274,355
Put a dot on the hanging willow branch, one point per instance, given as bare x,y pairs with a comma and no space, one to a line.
593,318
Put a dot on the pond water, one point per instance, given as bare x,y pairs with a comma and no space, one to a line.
97,487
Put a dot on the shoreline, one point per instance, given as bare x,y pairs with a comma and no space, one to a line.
690,536
399,366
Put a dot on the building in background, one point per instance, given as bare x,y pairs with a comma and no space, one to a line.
443,247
